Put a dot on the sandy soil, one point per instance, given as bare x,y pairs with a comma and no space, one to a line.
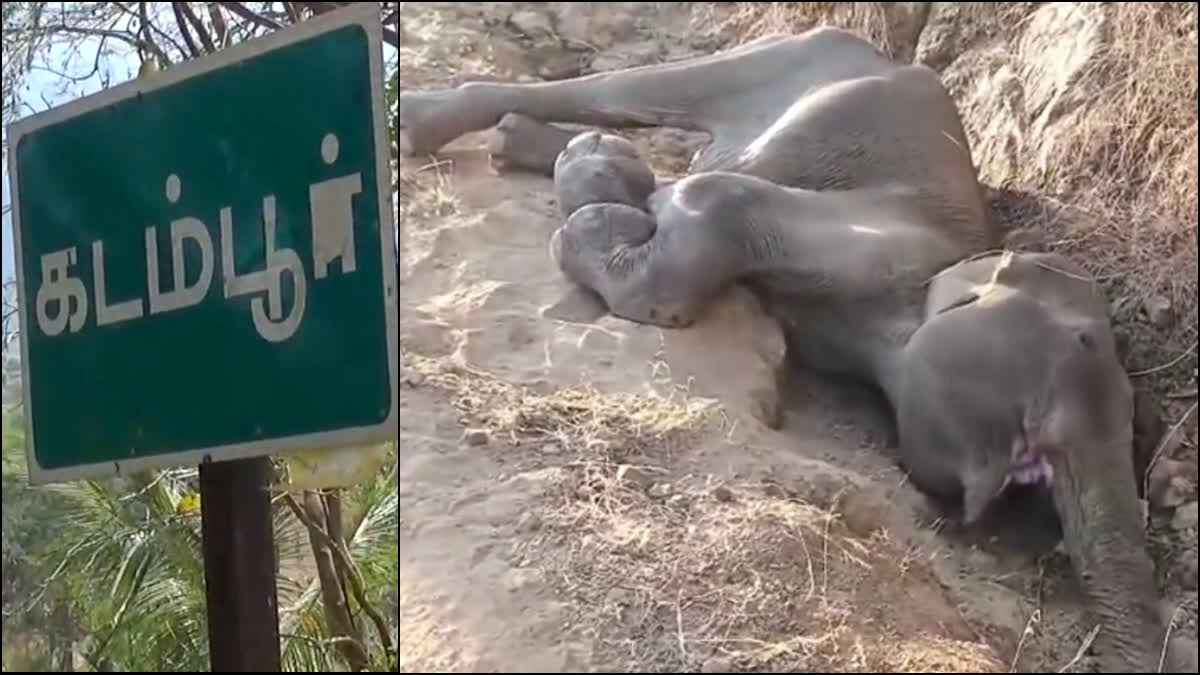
606,497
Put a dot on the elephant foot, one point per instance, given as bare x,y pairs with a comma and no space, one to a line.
597,168
424,122
523,143
609,249
431,119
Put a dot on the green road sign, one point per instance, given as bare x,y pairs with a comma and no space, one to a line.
205,258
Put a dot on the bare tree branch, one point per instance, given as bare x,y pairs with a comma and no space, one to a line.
183,30
325,553
292,12
218,21
128,38
144,35
240,10
78,78
201,31
153,26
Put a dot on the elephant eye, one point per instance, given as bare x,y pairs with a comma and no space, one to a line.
1086,340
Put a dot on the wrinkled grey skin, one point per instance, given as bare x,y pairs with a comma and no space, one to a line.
838,184
600,168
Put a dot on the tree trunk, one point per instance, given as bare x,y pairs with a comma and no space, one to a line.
337,614
333,525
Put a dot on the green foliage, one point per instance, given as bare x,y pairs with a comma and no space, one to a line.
110,573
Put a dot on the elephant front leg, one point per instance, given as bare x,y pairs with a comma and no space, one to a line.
619,253
523,143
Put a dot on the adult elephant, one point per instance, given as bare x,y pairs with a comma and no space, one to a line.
839,187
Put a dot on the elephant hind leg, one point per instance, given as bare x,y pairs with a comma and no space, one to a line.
738,92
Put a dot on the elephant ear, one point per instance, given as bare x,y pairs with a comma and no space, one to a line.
577,305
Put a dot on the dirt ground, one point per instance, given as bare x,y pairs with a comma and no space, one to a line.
604,497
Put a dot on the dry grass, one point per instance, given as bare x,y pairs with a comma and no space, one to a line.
690,577
1131,159
667,571
426,191
578,419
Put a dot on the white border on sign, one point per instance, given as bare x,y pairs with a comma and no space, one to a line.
362,14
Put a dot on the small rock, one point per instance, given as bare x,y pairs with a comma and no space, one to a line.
717,664
1178,491
1168,486
1160,312
518,579
633,477
722,494
647,53
561,67
620,596
584,491
1185,517
414,379
677,501
660,490
862,512
775,490
529,522
551,449
1121,341
1185,571
531,23
622,27
476,436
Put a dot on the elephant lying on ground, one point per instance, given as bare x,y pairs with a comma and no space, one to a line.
839,188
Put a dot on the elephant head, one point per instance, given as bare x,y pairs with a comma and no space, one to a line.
1014,377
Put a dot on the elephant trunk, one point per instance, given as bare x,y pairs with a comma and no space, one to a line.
1096,498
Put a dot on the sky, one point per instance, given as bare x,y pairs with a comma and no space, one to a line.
41,87
40,84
